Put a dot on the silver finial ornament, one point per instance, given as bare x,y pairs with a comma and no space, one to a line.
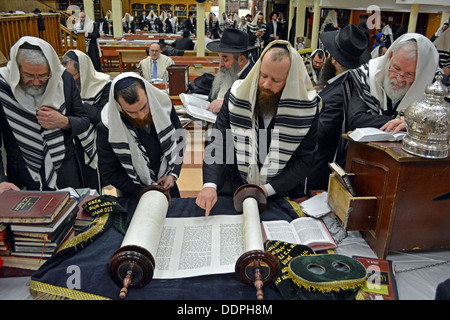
427,123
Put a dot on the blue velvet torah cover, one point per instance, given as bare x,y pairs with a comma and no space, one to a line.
53,279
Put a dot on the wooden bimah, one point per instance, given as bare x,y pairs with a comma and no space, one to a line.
394,206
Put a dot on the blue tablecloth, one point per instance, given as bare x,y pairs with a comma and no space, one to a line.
91,263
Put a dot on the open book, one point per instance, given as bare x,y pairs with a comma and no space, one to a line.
373,134
196,107
310,232
343,177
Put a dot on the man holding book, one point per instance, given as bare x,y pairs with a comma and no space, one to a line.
271,117
40,113
235,63
137,139
387,85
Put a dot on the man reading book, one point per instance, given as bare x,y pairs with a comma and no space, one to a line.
235,63
387,85
40,113
271,116
137,141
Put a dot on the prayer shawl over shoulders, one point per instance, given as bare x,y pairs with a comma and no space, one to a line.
92,86
40,148
296,112
443,46
371,75
125,143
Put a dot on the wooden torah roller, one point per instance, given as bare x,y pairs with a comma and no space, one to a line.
133,264
255,267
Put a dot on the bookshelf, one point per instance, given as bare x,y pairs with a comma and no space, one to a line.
178,8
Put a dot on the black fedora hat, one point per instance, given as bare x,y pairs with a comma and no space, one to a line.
205,81
348,46
232,41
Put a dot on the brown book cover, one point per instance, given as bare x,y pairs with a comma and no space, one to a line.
31,206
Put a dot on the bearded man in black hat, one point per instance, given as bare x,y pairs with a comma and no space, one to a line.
348,49
234,51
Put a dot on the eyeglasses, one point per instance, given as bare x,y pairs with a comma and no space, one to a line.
401,76
32,77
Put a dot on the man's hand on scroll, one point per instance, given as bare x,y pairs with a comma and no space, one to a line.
206,199
396,125
166,182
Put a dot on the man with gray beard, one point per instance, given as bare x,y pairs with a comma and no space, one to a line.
390,83
234,51
40,113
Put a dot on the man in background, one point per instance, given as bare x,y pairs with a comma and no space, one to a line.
155,65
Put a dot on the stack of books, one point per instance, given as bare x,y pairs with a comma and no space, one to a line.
40,221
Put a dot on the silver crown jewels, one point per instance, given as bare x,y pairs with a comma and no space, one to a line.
427,123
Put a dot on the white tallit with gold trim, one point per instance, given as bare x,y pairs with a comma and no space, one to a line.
296,111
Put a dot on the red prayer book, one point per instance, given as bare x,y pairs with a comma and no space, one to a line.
31,206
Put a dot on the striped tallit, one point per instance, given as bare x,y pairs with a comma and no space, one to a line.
296,111
124,140
39,147
253,28
92,85
426,67
442,44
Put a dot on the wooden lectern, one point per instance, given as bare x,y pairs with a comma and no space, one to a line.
394,207
178,78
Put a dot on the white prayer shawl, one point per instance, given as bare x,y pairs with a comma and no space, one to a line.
92,85
130,20
427,65
125,142
89,28
146,66
296,111
443,46
387,31
254,27
40,147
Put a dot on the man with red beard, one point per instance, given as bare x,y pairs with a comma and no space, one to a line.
138,140
265,132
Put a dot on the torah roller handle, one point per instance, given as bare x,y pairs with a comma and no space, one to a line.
255,267
133,264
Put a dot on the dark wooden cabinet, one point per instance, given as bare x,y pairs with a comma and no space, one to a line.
405,217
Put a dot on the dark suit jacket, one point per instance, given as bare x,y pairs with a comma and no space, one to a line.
188,25
226,174
183,44
329,131
270,30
